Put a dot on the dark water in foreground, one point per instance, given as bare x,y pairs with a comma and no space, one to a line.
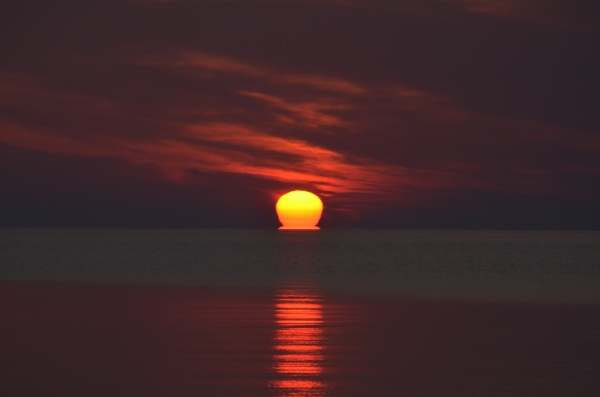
261,313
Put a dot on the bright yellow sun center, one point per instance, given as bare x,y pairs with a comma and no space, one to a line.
299,210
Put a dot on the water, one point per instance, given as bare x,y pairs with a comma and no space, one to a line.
555,267
331,313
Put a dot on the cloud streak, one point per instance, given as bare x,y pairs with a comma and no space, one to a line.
299,134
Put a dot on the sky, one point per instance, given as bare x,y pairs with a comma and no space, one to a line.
449,114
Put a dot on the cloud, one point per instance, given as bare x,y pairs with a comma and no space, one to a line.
562,14
226,147
360,144
310,114
210,64
556,13
25,90
308,100
453,146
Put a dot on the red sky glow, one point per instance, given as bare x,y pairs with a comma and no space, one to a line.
201,113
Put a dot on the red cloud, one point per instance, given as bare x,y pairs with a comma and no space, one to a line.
356,142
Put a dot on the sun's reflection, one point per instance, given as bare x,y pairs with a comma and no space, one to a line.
299,344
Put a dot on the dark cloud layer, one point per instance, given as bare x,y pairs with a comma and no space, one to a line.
439,113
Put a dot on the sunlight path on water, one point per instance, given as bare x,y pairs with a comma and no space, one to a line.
299,344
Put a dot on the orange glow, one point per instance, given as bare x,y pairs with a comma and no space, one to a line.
299,210
299,345
307,387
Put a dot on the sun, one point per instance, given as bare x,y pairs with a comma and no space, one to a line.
299,210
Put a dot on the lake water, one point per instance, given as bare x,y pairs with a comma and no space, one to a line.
142,312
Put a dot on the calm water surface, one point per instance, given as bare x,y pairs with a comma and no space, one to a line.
557,267
332,313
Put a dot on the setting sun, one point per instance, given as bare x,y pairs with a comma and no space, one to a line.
299,210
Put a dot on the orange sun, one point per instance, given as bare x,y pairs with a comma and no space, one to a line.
299,210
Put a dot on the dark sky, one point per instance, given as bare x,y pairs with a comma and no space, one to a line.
199,113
